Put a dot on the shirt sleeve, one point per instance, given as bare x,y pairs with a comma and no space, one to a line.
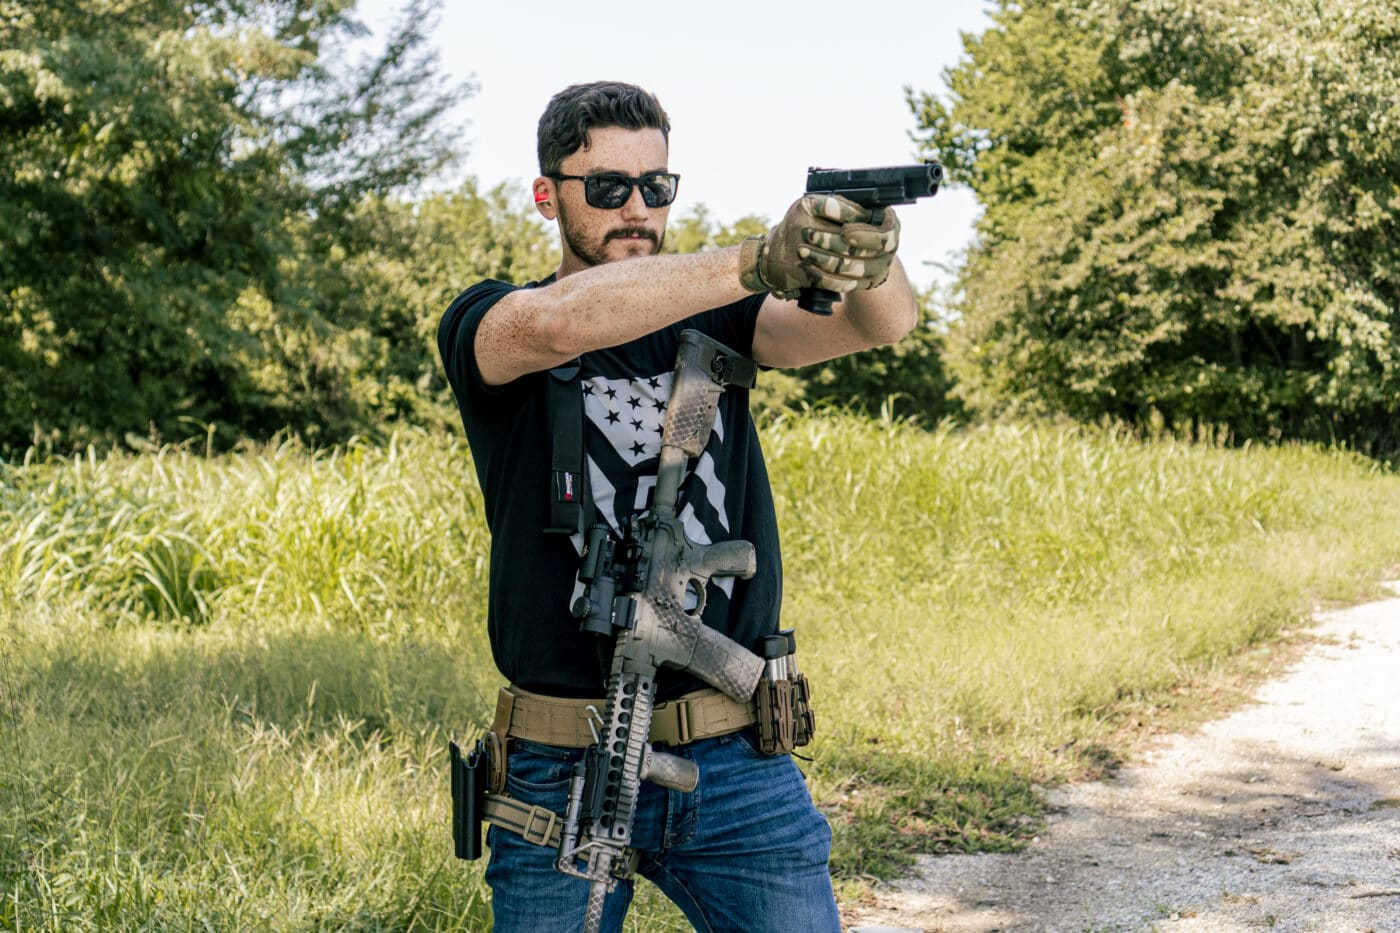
732,325
457,337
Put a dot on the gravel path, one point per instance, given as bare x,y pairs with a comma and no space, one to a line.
1283,816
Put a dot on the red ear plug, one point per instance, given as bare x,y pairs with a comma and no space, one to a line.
541,196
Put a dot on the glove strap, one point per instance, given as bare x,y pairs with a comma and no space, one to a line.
750,255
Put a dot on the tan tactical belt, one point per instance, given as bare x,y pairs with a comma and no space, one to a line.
563,722
703,714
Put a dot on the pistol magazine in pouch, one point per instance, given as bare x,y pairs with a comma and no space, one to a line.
785,719
471,776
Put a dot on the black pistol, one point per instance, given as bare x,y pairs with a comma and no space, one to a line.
874,189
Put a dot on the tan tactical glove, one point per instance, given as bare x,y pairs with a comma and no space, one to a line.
824,241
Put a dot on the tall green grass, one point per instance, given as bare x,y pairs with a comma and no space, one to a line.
226,684
982,611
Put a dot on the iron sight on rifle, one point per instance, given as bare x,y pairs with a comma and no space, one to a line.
648,592
874,189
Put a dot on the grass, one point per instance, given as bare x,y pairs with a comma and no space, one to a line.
226,684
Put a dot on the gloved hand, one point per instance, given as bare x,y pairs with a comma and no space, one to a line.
823,241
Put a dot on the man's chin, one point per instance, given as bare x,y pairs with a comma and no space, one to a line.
631,247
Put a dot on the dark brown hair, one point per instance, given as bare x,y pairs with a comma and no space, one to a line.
578,108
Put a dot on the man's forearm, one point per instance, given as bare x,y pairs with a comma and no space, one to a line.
885,314
788,337
607,305
613,303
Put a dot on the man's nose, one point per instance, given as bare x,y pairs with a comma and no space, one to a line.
634,208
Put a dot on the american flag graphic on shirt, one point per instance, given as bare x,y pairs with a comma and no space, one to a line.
629,414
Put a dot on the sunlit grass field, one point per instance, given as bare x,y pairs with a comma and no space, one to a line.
227,683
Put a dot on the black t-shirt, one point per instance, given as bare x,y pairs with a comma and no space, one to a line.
725,496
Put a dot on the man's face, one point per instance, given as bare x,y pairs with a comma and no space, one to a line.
592,236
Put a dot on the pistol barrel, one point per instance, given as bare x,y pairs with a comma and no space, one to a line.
878,187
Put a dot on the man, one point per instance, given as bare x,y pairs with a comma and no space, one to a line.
746,850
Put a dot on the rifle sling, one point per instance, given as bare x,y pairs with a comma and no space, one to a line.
541,827
568,481
533,824
568,492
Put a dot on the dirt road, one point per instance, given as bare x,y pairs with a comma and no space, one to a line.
1283,816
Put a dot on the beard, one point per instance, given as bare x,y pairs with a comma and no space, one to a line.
593,252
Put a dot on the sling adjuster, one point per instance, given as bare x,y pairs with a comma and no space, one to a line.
532,823
541,835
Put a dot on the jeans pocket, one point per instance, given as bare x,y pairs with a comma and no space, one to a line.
747,740
539,774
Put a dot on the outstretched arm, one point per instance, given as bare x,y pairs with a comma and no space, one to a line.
534,329
786,336
822,241
829,242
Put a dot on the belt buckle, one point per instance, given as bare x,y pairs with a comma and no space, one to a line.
683,725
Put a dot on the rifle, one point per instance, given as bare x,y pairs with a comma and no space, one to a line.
873,188
637,590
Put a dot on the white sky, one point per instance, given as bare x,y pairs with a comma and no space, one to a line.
756,91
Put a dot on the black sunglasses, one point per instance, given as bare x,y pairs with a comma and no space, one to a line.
609,190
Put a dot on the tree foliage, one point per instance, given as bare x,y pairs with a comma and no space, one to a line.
174,180
1190,213
395,266
904,380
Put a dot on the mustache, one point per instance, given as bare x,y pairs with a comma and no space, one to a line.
622,232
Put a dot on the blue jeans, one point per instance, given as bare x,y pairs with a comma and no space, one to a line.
746,850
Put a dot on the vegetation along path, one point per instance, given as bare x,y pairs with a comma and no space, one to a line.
1283,816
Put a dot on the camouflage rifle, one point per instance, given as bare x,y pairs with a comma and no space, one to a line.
641,595
872,188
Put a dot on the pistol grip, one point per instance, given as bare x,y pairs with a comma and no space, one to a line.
818,300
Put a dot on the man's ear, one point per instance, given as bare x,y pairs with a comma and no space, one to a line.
544,198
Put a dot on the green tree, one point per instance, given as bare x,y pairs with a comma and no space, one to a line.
169,171
393,268
1190,213
904,380
698,230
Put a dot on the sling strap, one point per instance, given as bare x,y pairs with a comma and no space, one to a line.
565,722
568,493
568,482
534,824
